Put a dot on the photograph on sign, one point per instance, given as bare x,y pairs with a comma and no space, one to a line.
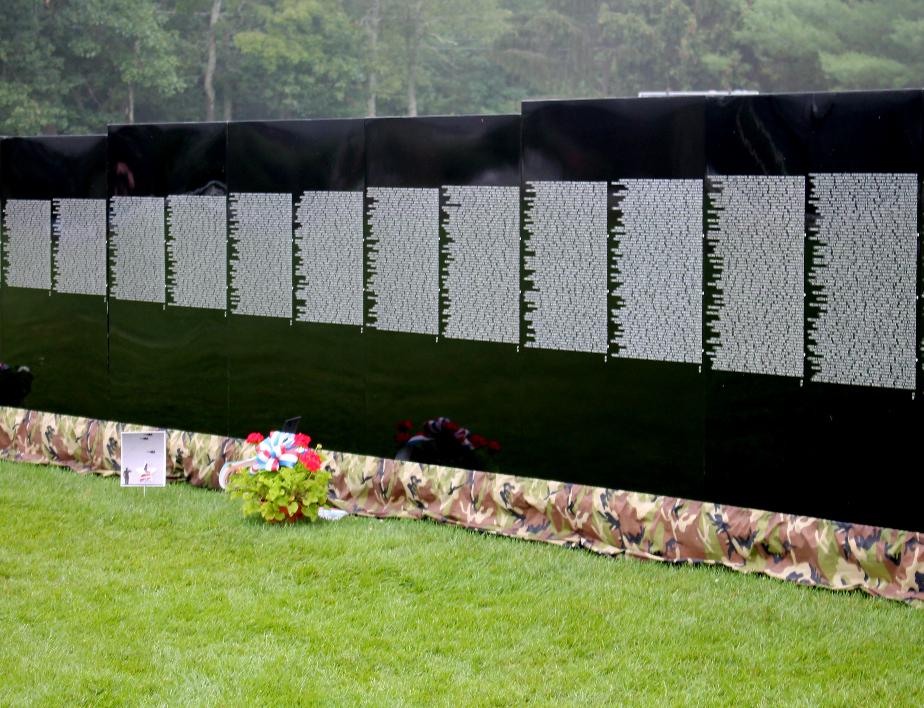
144,459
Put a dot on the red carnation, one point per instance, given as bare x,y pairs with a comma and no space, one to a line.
450,426
402,437
302,440
405,425
311,460
255,438
478,441
494,446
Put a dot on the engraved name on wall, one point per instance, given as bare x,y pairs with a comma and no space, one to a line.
197,251
481,256
136,227
565,266
403,265
864,279
658,268
757,247
329,258
27,247
260,252
79,246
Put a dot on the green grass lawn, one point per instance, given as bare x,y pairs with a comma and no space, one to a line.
111,597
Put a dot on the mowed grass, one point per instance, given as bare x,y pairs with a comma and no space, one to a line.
110,597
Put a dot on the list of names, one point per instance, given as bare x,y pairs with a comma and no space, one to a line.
260,251
482,257
196,251
658,269
403,253
79,246
565,266
27,251
329,258
757,250
864,277
137,248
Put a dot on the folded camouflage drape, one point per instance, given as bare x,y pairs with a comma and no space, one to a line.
90,445
802,549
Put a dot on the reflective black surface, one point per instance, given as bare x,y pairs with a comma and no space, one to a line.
863,443
866,131
756,427
279,367
168,364
791,443
616,422
438,151
414,377
758,135
419,377
606,139
170,158
292,156
61,337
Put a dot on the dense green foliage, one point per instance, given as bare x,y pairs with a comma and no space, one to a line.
69,66
288,493
109,597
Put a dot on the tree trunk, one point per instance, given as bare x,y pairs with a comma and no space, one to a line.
412,44
226,103
211,61
130,107
227,86
372,29
412,87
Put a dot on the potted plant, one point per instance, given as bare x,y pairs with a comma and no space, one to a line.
285,482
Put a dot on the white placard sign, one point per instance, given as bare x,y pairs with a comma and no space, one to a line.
144,459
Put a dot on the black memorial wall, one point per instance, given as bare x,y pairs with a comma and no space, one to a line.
709,297
168,275
441,276
54,270
815,387
757,167
612,244
295,277
863,291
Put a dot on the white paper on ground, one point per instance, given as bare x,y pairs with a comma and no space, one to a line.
331,514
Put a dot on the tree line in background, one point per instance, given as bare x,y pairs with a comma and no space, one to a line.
73,66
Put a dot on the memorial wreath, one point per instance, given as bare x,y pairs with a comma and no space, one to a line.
286,481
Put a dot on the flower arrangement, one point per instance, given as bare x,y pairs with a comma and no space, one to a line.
286,481
441,441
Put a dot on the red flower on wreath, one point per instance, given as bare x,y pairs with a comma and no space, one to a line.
402,438
494,446
450,426
478,441
311,460
405,425
302,440
255,438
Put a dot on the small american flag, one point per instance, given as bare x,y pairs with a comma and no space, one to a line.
146,475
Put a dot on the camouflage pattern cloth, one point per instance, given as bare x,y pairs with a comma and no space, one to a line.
87,445
801,549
